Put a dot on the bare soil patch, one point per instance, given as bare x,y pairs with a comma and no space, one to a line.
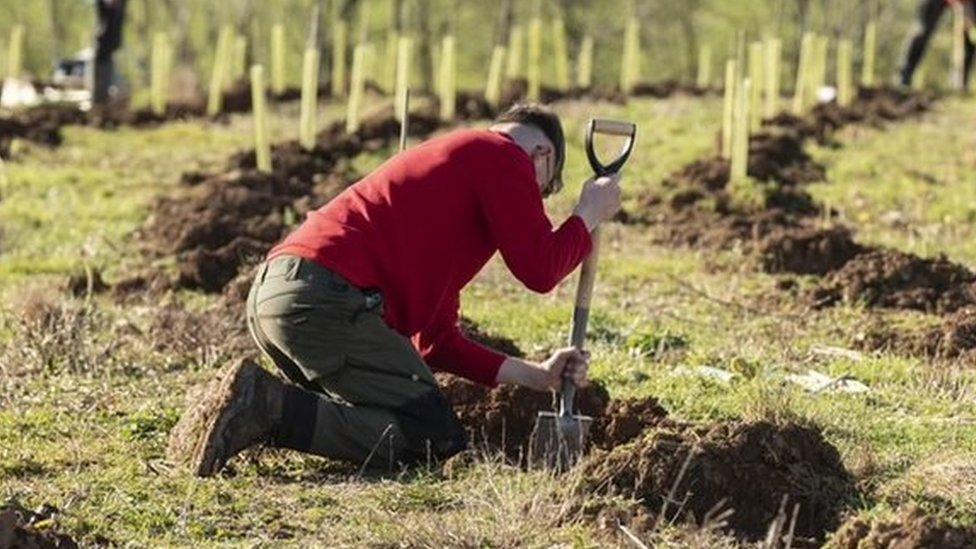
749,468
898,280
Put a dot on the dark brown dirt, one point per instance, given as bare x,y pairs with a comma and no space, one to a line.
897,280
41,124
953,339
911,529
748,467
807,250
19,529
700,210
890,104
502,419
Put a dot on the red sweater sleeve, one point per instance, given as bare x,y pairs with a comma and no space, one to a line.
443,348
537,255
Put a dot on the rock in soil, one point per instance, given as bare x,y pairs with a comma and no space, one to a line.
807,250
747,467
910,529
897,280
24,529
501,420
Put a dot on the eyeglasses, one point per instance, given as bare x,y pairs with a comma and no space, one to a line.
553,183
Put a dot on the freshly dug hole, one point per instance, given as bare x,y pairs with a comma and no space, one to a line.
502,419
897,280
751,466
911,529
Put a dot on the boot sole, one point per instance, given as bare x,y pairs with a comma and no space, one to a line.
205,423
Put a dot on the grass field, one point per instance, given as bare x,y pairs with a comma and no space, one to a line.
89,388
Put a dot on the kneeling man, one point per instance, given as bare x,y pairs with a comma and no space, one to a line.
359,304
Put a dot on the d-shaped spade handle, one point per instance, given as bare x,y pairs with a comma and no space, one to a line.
610,127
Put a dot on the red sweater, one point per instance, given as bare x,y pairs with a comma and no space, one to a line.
422,225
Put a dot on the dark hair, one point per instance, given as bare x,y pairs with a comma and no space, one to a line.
548,122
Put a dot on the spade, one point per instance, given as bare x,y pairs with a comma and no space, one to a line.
559,436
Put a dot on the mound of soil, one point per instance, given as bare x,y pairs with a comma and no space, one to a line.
807,250
502,419
953,339
19,528
781,158
748,467
889,104
40,124
897,280
911,529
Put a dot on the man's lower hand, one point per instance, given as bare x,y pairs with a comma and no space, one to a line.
548,376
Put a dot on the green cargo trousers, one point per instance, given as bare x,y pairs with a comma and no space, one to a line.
361,391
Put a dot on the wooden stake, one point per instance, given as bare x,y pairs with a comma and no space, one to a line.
774,48
820,76
310,97
493,89
740,150
584,72
513,69
277,59
958,46
448,79
215,99
339,42
803,67
728,109
534,72
357,88
262,146
405,121
629,61
561,52
845,81
757,62
870,46
390,64
159,73
404,60
239,64
704,79
15,52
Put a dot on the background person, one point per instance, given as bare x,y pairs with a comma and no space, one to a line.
929,14
110,16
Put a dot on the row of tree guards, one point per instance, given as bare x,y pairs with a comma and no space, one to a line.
752,78
753,89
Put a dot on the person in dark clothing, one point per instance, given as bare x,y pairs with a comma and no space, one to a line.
108,39
929,14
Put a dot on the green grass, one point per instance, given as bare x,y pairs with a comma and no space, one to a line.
90,439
